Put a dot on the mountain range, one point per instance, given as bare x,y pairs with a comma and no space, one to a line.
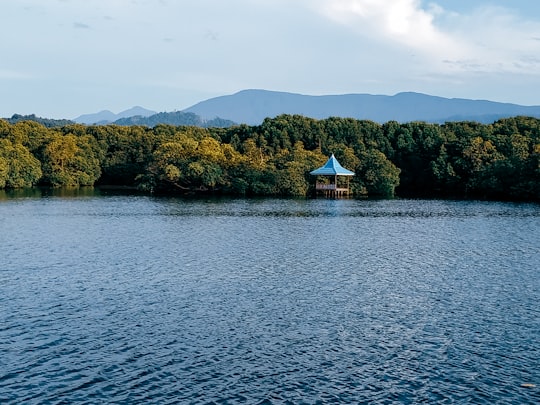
142,116
251,107
106,116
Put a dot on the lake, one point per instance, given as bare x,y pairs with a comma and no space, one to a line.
139,299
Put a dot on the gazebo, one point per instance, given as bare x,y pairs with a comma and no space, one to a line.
334,176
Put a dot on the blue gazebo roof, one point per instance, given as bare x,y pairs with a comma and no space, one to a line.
332,168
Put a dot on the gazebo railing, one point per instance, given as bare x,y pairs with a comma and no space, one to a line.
322,186
328,187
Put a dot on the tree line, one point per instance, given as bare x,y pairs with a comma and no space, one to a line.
456,159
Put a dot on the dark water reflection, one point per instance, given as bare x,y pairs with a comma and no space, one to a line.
160,300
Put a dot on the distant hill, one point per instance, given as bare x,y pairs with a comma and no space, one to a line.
142,116
253,106
174,118
47,122
106,116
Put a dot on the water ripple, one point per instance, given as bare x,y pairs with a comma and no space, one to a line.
141,300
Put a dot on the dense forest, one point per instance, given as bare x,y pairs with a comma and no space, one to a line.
456,159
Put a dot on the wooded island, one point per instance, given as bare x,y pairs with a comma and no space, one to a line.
417,159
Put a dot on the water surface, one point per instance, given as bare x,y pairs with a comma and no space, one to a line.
161,300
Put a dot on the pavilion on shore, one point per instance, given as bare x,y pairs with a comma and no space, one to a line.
332,179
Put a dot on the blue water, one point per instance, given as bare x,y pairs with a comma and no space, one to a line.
135,299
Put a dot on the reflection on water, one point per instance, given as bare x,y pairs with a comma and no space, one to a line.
67,192
37,192
118,298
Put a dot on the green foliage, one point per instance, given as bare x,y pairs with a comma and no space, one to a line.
293,169
457,159
18,167
71,161
190,161
376,174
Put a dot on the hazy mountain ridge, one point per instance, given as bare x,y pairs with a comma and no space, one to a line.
253,106
141,116
177,118
174,118
107,117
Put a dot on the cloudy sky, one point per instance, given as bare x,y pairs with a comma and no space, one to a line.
63,58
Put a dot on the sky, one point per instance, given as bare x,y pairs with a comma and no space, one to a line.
64,58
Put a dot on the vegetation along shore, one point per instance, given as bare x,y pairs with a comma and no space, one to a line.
456,159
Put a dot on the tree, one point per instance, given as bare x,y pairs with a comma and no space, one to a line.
18,167
377,174
293,177
188,163
70,161
445,179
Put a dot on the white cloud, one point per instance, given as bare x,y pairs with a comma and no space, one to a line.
501,40
403,22
175,53
488,39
